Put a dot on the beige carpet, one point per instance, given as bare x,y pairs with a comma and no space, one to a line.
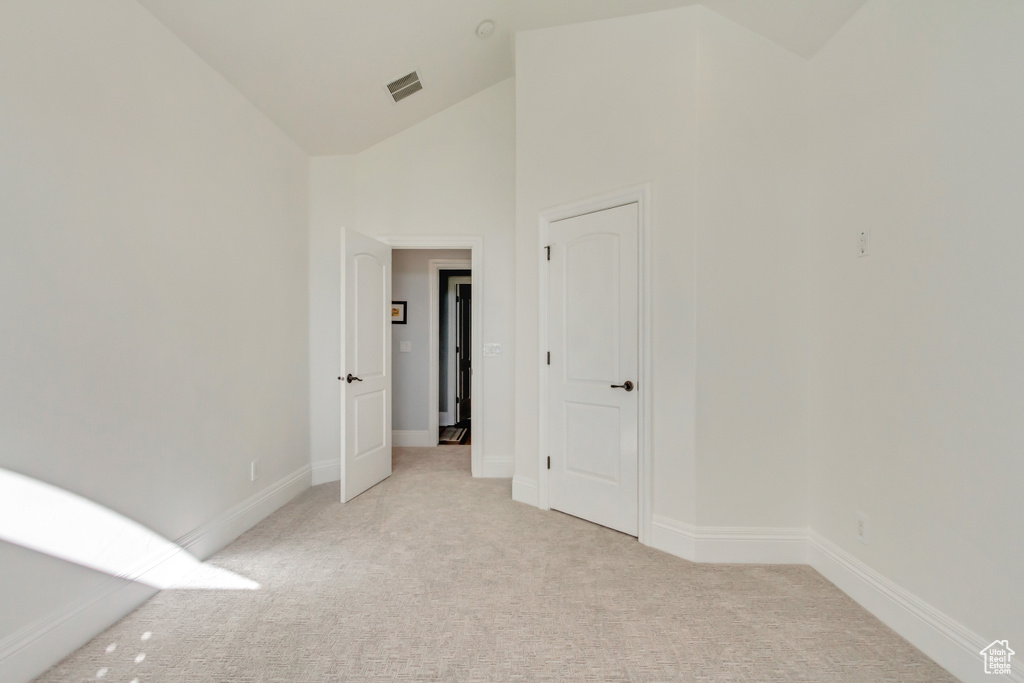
432,575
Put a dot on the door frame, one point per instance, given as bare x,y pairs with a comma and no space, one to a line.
434,268
475,245
640,195
453,372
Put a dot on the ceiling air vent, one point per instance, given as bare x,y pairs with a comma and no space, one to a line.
405,86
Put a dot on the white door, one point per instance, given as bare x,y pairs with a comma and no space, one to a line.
366,365
593,335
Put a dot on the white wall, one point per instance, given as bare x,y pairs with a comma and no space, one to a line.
411,401
751,280
153,278
713,117
452,174
153,275
795,384
916,363
599,107
329,215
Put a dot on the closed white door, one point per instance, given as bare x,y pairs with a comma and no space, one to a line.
593,336
366,364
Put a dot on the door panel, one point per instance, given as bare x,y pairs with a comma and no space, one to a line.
592,441
366,401
593,328
591,281
369,422
371,282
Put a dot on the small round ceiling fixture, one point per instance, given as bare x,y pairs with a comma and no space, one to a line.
485,28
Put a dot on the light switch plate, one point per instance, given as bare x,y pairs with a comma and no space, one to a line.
492,349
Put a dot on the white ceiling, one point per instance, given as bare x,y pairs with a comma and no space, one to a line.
317,68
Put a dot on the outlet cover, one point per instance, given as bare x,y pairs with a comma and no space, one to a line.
863,529
863,242
254,470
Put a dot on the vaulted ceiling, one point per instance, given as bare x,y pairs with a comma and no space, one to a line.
318,68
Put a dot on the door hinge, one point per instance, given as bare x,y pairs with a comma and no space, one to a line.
549,462
549,358
548,249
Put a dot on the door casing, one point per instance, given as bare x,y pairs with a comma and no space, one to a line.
641,195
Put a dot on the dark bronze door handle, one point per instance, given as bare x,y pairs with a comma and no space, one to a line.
352,378
628,386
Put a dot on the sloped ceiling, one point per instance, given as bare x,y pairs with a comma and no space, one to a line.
318,68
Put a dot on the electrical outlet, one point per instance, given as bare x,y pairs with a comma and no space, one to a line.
864,242
863,528
254,470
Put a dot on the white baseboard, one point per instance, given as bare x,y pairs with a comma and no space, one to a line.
672,537
495,469
731,545
952,645
326,471
416,438
949,643
524,490
229,525
32,650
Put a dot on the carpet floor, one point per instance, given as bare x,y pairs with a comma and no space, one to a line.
434,575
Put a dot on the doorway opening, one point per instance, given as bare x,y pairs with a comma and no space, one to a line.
372,313
421,367
470,250
455,344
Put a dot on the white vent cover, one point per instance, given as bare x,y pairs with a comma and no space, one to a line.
405,86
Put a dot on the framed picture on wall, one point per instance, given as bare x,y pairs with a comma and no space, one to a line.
398,312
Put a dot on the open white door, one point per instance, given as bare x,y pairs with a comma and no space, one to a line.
366,364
